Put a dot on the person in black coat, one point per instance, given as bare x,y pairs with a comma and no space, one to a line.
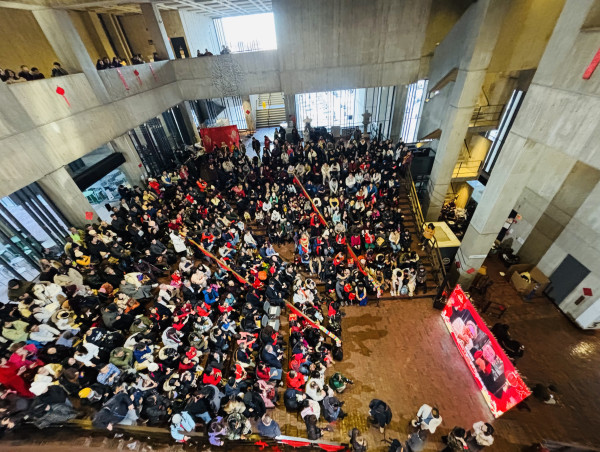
114,411
381,413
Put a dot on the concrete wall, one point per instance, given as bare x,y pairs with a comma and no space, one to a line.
200,32
348,44
443,16
525,34
138,35
236,74
580,239
24,42
85,30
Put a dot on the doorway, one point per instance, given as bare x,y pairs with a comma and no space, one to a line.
565,278
180,48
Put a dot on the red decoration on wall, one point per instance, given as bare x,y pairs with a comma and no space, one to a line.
137,75
592,67
89,216
123,79
61,92
139,165
152,70
471,270
587,291
214,136
247,112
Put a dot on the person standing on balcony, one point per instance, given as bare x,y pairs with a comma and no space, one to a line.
57,70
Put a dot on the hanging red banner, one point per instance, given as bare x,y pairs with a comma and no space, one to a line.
153,73
123,79
220,262
321,219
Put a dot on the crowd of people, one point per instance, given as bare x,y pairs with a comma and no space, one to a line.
354,238
25,74
136,322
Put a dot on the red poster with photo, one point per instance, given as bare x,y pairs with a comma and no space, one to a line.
499,382
215,137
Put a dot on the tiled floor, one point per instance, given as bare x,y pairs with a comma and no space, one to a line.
401,352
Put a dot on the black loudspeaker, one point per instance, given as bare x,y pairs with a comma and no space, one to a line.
439,303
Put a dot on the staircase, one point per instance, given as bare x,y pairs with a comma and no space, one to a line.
274,113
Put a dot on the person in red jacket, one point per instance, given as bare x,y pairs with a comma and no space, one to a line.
295,380
214,378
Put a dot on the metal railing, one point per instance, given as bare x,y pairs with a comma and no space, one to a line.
432,249
467,169
486,114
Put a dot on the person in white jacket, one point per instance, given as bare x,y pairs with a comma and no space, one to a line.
428,418
249,240
178,243
43,333
481,436
85,353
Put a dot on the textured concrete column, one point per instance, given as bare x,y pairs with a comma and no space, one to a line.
133,167
118,38
485,19
535,153
188,119
68,198
156,27
248,113
64,39
290,107
398,115
99,36
518,159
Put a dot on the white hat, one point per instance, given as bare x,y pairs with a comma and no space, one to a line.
152,367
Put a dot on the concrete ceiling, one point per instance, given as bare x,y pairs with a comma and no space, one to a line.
211,8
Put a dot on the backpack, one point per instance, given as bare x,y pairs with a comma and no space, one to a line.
337,353
396,446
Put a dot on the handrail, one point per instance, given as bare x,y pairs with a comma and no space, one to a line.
433,251
486,113
470,166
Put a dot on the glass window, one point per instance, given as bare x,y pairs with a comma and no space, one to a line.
248,33
105,193
412,113
345,108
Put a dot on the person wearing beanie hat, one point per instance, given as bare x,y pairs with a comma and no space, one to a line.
181,424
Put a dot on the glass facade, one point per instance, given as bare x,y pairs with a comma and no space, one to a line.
345,108
158,142
29,223
208,111
415,99
249,33
104,193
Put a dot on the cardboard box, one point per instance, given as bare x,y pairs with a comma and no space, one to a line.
522,286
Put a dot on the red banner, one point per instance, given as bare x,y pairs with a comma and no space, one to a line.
215,137
499,382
